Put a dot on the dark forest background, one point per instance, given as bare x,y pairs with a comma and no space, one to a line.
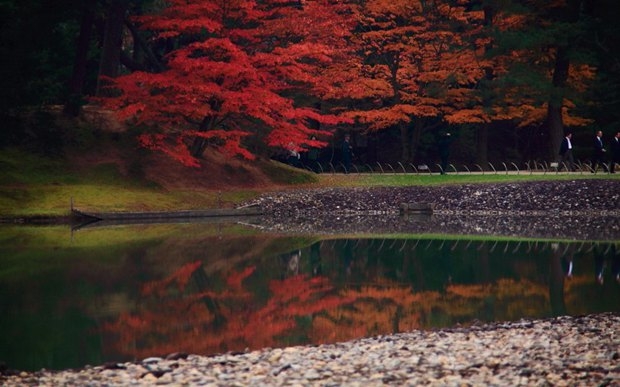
54,53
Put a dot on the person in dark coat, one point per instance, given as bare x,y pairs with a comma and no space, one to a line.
293,156
615,152
598,152
313,157
347,153
566,152
444,151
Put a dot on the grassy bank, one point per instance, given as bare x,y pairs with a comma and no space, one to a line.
403,180
33,185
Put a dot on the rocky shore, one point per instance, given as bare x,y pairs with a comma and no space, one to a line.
583,209
562,351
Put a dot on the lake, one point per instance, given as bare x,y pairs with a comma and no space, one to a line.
69,298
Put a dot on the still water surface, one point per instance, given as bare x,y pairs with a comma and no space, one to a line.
68,299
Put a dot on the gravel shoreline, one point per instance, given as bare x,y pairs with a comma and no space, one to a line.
561,351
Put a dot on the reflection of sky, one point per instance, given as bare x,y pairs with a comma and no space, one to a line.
194,291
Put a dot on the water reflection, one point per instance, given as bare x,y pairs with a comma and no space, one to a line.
127,293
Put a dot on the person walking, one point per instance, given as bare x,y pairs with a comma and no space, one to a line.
598,152
566,152
347,153
293,156
313,157
615,152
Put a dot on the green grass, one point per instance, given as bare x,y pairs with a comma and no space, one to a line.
402,180
33,185
285,174
19,168
56,200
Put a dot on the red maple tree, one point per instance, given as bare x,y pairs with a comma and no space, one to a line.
235,71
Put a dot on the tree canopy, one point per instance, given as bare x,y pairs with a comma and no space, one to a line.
249,77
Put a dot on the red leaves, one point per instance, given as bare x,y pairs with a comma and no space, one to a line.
234,280
180,277
173,316
229,80
166,144
176,145
245,68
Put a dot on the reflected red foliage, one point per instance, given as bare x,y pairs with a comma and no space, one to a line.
176,314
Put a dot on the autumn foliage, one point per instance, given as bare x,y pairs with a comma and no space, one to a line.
234,73
175,314
178,316
278,72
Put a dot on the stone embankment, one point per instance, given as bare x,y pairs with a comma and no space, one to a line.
563,351
583,209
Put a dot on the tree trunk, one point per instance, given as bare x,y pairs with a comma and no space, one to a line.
112,43
482,146
416,133
404,139
482,132
554,109
202,283
556,283
199,144
141,48
76,82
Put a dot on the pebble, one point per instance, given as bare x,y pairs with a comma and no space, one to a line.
532,209
560,351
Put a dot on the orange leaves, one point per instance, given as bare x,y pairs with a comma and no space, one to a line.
384,118
180,277
298,287
462,116
287,132
175,145
175,316
234,280
376,310
470,291
415,59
